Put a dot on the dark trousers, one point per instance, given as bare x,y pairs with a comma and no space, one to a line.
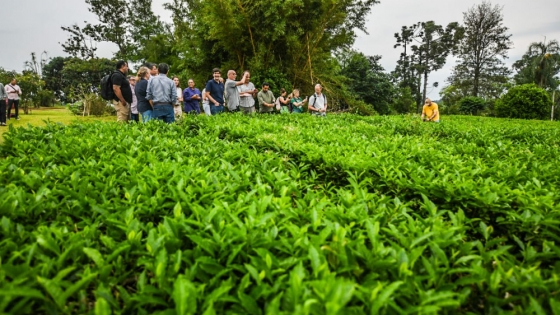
16,105
2,111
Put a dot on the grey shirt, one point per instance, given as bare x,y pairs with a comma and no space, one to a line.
232,94
161,90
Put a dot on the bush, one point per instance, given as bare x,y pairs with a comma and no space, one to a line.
404,102
45,98
361,108
526,101
471,105
94,105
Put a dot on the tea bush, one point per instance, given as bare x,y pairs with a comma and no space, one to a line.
285,214
526,101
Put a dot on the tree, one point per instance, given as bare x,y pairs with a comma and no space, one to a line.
297,40
434,44
480,68
53,76
78,44
539,65
367,81
129,24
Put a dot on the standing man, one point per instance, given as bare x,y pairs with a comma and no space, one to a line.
430,111
231,90
266,99
192,97
14,91
215,92
3,102
162,94
318,102
122,91
247,92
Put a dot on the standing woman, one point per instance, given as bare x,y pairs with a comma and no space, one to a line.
134,116
177,106
247,92
297,102
143,105
285,104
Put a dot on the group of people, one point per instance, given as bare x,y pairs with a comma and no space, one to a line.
153,95
9,97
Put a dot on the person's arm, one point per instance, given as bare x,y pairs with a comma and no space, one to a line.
149,95
325,107
179,96
243,80
435,114
118,94
174,96
261,99
423,113
19,90
212,100
310,106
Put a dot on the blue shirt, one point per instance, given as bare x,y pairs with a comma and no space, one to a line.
161,90
188,93
216,90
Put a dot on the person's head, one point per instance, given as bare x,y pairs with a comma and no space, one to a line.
132,80
122,66
248,76
13,81
318,88
428,101
265,87
283,92
152,67
176,80
163,68
231,74
191,83
216,73
295,92
143,73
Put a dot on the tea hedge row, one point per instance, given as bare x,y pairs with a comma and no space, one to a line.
280,215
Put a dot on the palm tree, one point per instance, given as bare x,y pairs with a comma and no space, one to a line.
546,63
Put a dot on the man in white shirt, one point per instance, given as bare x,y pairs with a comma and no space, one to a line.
318,102
14,91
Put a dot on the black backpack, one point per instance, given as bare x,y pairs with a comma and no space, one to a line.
107,87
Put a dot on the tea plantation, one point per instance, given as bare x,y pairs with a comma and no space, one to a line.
282,215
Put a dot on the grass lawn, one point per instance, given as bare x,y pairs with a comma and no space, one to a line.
40,117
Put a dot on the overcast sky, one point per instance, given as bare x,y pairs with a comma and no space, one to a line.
34,26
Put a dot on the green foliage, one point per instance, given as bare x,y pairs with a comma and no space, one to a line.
31,84
281,215
367,81
539,65
480,69
45,98
404,101
526,101
471,105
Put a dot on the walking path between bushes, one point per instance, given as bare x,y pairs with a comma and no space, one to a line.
40,117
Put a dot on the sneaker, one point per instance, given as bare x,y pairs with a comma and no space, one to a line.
2,124
17,118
